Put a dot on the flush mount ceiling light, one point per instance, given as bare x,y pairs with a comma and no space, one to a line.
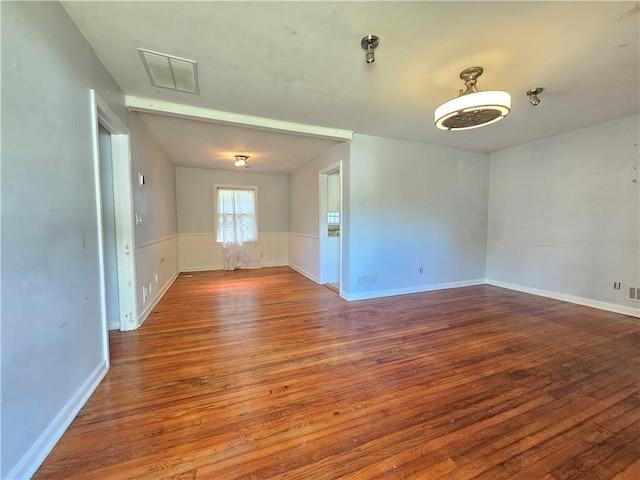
472,108
167,71
369,43
533,95
241,160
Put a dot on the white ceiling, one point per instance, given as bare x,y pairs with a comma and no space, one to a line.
302,62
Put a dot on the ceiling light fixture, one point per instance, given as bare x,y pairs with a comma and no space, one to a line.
369,43
241,160
472,108
533,95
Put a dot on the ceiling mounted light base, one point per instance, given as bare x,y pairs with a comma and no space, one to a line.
533,95
369,43
471,74
472,108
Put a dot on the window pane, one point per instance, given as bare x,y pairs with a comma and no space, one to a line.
236,216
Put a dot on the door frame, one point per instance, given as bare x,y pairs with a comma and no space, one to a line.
322,221
124,219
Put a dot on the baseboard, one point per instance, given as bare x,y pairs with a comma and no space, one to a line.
305,273
274,264
208,268
587,302
405,291
145,313
113,324
212,268
31,461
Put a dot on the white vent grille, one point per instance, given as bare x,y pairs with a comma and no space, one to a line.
167,71
634,293
367,279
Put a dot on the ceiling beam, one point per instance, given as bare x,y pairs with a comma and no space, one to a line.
147,105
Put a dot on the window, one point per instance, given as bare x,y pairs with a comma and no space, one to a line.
236,214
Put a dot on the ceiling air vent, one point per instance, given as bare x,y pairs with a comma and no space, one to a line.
167,71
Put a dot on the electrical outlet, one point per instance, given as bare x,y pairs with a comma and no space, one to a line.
144,293
617,285
157,278
421,270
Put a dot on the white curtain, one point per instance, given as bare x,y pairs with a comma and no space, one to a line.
238,228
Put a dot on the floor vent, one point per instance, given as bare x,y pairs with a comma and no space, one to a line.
367,279
634,293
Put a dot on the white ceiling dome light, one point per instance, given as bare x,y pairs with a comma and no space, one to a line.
472,108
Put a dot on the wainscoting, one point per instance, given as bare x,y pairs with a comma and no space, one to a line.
304,255
156,269
199,251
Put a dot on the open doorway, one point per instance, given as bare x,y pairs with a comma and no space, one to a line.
114,203
330,226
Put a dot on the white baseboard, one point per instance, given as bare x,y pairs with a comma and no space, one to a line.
405,291
113,324
274,264
587,302
31,461
212,268
145,313
205,268
306,274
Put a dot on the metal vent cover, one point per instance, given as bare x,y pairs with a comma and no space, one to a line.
367,279
168,71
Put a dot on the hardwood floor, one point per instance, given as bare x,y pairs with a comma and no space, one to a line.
264,374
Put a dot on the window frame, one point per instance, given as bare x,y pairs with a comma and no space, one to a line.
226,186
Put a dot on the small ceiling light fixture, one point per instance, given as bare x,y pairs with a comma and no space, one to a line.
533,95
472,108
369,43
241,160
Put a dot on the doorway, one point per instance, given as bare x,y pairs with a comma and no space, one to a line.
112,304
330,225
114,203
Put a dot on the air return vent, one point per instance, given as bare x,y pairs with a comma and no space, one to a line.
367,280
167,71
634,293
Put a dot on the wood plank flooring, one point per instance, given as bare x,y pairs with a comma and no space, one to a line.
264,374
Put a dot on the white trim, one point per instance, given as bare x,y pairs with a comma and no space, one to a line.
227,118
159,240
323,235
33,458
113,324
145,313
95,140
205,268
404,291
305,273
587,302
304,235
213,235
123,191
